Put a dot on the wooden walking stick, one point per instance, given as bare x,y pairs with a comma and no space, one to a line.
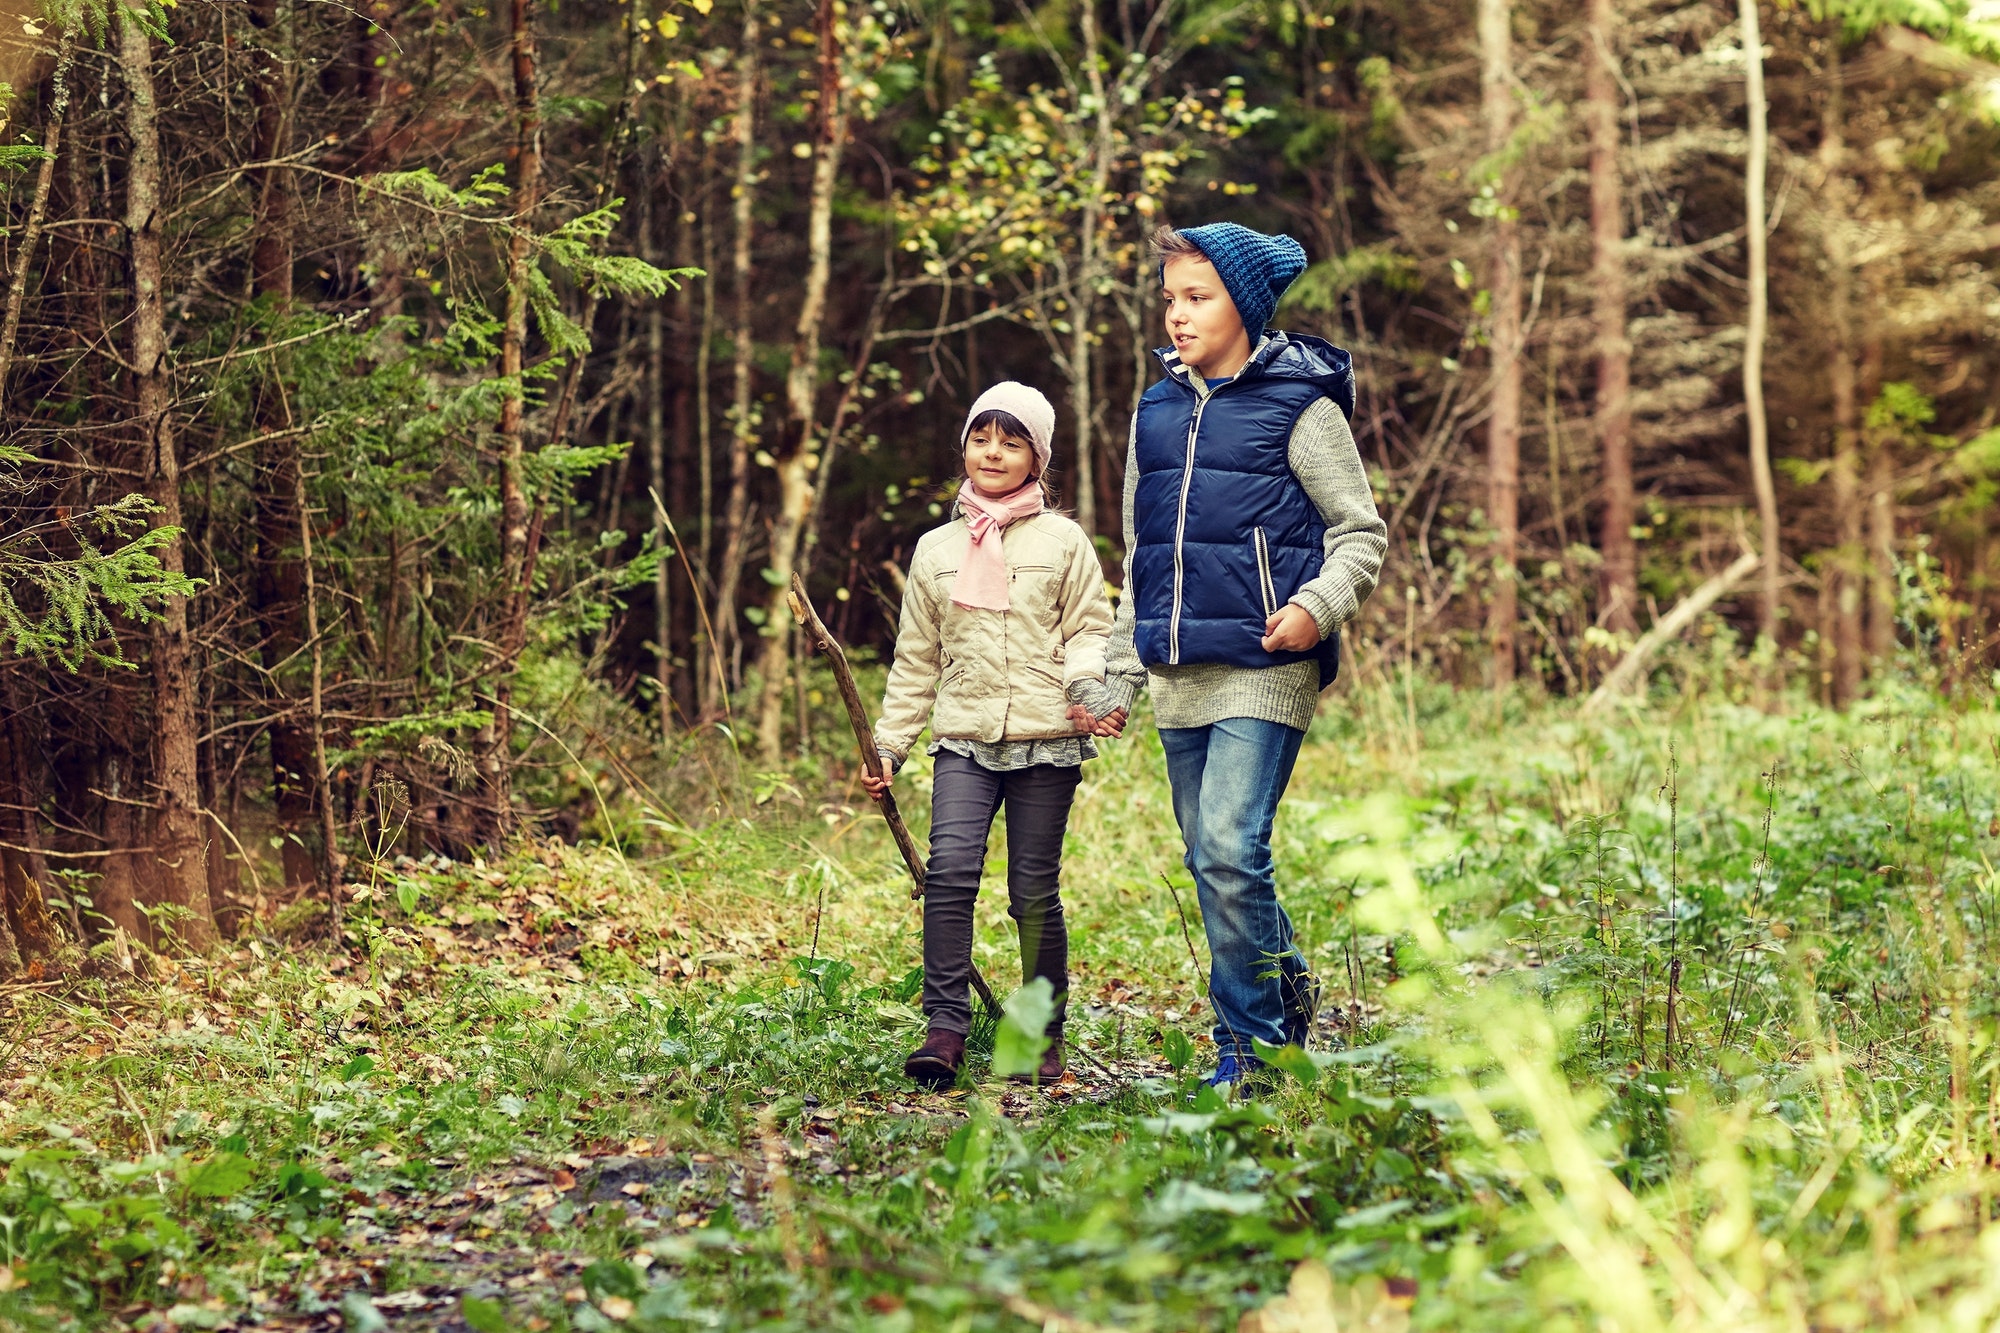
871,758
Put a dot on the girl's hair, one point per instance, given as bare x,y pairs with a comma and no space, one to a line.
1006,422
1168,244
1012,427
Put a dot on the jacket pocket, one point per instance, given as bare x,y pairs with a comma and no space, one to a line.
1266,590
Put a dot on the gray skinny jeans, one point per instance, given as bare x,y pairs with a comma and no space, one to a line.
964,798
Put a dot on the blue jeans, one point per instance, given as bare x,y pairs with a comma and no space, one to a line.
1227,780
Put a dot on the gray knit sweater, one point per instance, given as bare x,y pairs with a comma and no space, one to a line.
1328,465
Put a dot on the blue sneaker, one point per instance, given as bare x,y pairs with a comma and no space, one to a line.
1235,1071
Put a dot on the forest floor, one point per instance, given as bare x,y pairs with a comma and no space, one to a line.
1680,1018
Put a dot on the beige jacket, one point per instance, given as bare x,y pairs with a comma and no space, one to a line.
997,675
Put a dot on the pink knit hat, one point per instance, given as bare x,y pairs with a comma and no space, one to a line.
1025,405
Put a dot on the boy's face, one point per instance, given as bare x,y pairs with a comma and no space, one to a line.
997,463
1201,319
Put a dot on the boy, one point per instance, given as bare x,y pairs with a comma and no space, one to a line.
1251,537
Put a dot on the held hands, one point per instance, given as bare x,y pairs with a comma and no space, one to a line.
1111,726
1291,630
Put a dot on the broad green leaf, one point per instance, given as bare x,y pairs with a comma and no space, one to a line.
1018,1045
484,1316
219,1177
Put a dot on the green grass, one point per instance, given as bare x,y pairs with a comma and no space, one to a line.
584,1090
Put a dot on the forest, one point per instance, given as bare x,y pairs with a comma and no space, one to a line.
413,417
379,382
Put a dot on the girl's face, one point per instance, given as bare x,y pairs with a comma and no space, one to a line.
1202,319
997,464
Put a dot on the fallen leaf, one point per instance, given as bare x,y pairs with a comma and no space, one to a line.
1312,1304
616,1307
883,1302
563,1179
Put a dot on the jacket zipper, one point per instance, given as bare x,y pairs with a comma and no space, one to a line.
1266,588
1180,530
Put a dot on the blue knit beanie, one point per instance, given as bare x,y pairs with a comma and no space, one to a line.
1254,267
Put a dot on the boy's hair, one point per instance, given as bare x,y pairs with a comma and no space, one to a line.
1013,428
1168,245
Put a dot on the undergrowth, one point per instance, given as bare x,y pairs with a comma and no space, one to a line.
1668,1020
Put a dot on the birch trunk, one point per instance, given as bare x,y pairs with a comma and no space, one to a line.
799,466
180,852
1619,595
742,427
1083,297
1503,432
1756,162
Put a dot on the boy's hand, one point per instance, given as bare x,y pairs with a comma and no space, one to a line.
1080,718
1292,630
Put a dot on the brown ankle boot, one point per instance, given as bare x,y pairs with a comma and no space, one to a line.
936,1063
1052,1067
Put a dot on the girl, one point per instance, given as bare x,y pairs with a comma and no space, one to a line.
1001,649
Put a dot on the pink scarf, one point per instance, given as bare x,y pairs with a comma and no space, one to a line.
981,584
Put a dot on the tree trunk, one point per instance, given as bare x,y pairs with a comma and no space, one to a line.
704,419
1619,594
327,860
1756,160
796,471
742,426
1846,566
494,744
119,887
1503,431
26,918
17,290
1881,553
656,471
179,840
277,586
1083,296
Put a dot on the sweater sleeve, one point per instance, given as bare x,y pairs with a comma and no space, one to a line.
1084,618
1327,463
913,676
1124,673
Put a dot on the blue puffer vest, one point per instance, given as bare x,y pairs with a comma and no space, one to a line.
1225,533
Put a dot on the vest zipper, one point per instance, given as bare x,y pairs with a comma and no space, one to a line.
1266,588
1180,530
